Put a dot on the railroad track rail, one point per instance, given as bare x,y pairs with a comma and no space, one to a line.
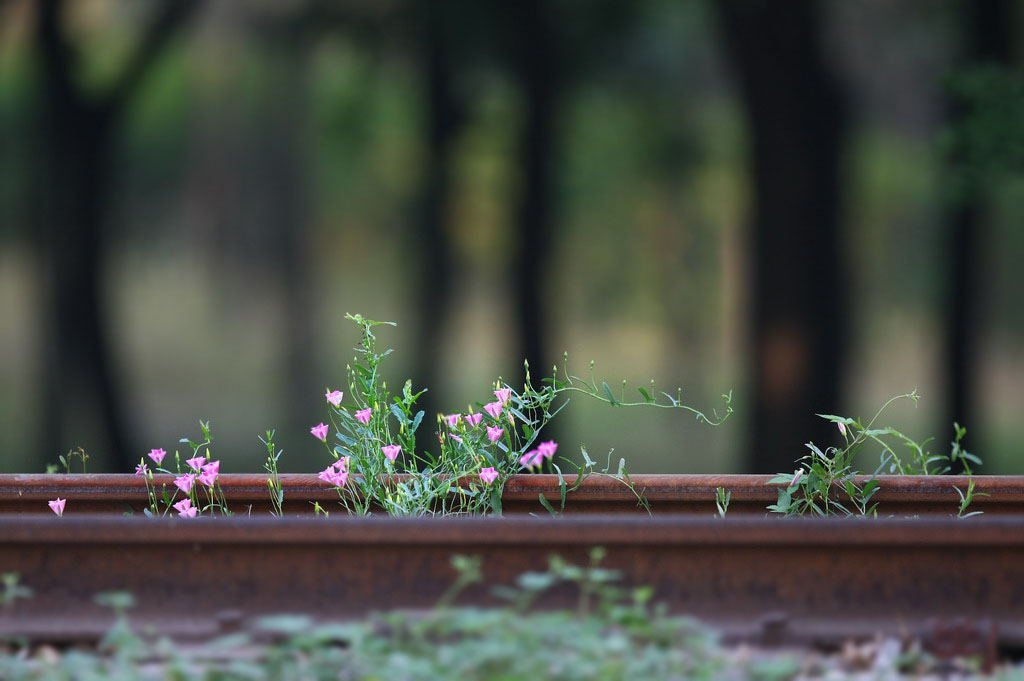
688,494
815,581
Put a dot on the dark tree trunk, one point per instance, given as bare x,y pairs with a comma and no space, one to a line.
81,389
986,40
442,120
536,70
798,293
286,196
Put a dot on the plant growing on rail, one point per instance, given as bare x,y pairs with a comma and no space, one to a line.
812,488
198,484
371,437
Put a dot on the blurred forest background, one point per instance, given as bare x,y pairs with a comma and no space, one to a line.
816,205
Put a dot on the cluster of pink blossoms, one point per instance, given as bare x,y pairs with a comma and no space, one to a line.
534,457
185,508
205,473
337,473
320,430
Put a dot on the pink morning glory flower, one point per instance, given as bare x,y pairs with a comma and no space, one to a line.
185,482
196,463
57,505
319,431
335,397
333,476
185,509
547,449
503,395
141,469
210,473
157,455
363,416
391,451
531,458
493,408
796,477
488,475
474,419
494,434
453,420
842,428
457,439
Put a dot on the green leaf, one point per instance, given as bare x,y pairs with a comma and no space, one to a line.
546,504
646,395
399,414
608,391
814,448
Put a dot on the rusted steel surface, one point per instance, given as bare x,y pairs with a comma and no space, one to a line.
758,579
693,494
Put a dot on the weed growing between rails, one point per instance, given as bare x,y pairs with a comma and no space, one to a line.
811,489
198,484
372,438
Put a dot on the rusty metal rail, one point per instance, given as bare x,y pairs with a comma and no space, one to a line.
691,494
756,578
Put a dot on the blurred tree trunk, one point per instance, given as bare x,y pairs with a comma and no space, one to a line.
987,26
443,119
798,293
536,69
73,190
286,214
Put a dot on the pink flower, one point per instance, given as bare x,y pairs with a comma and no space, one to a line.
185,509
363,416
141,469
196,463
319,431
494,434
185,482
335,397
531,458
157,455
503,395
547,449
796,477
457,439
333,476
57,505
474,419
210,473
842,428
453,420
391,451
493,408
488,475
